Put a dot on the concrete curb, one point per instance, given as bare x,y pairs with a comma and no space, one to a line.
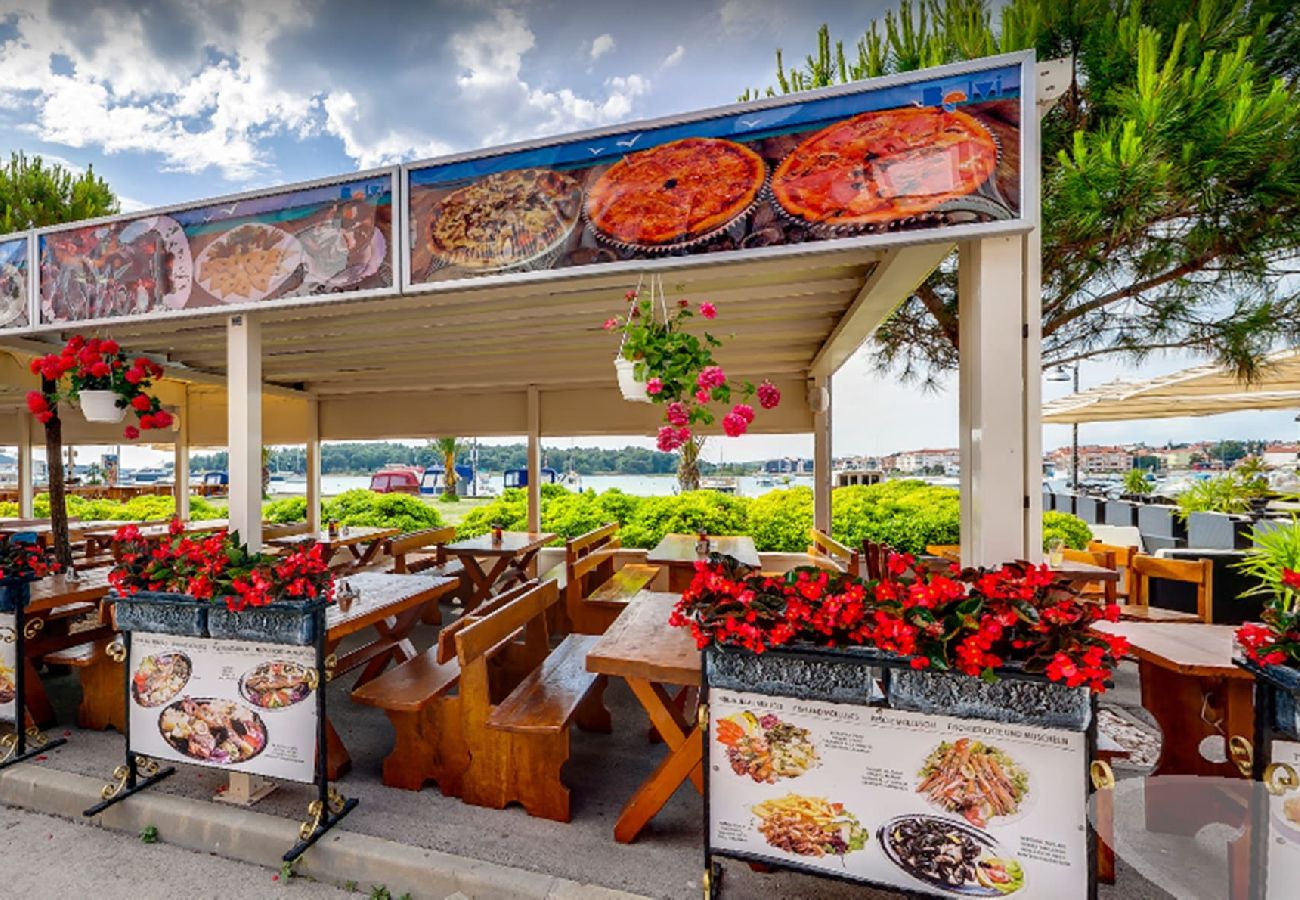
260,839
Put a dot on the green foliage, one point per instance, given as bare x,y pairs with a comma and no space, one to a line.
1274,549
285,511
1071,529
905,514
138,509
34,194
367,508
685,513
1180,112
149,834
510,510
780,520
1135,482
1226,493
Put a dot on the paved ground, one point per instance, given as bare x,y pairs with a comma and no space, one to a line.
47,858
603,772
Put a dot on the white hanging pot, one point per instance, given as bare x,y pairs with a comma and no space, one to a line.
632,388
101,406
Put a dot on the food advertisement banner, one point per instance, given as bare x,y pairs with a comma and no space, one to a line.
1283,867
226,704
328,239
923,803
925,154
14,273
8,665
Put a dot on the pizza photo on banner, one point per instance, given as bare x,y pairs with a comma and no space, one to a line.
910,156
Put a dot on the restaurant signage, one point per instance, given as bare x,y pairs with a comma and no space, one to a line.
8,666
1282,871
233,705
320,239
15,281
920,802
889,155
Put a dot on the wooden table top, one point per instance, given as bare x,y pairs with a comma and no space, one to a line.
641,644
1082,571
512,543
55,590
382,596
679,549
1187,648
153,530
357,534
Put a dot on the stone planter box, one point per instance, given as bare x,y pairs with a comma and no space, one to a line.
289,622
1121,512
15,594
158,612
1091,509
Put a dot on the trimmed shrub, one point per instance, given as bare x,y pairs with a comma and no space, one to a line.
361,507
779,521
908,515
510,510
1071,529
285,511
686,513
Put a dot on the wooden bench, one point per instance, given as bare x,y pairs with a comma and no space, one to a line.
595,591
419,697
103,689
422,552
828,553
275,532
517,749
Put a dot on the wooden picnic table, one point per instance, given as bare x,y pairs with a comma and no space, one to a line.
1193,690
101,537
513,554
645,651
390,604
55,602
363,542
677,553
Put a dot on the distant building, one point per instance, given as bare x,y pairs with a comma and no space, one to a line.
919,461
1282,456
1094,459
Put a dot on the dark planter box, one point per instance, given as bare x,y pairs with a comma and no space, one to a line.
1218,531
1064,503
1091,509
162,613
849,676
1121,512
1160,527
1049,501
283,622
1279,687
14,594
1230,608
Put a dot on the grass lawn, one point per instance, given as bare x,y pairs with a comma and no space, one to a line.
452,513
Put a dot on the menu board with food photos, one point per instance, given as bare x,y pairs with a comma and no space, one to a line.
326,239
921,803
227,704
923,154
8,667
14,274
1282,870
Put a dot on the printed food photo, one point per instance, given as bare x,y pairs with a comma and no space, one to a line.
974,779
950,854
276,684
765,748
160,677
214,731
810,826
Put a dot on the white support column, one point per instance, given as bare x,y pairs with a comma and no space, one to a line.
244,426
1032,399
313,467
25,469
181,460
992,401
534,460
819,398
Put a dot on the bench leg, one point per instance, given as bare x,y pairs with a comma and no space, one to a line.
591,714
103,700
428,745
535,777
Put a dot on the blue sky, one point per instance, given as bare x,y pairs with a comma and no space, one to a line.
173,101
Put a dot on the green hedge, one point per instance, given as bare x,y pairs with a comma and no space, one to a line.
1071,529
361,507
137,509
907,515
685,513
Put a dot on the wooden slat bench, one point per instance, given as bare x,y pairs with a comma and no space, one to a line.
828,553
422,552
595,591
517,750
419,697
103,690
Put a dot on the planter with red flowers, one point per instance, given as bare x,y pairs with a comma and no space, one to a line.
21,563
955,707
659,361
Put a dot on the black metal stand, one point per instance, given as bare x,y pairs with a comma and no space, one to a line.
14,749
329,807
126,778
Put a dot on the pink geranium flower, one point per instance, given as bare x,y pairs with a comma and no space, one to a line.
768,395
711,377
677,414
654,386
734,425
708,310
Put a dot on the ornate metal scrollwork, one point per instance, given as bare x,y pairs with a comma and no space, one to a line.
7,635
8,746
315,812
1103,777
117,785
1280,778
336,801
1242,753
35,737
313,679
331,662
116,651
33,628
146,766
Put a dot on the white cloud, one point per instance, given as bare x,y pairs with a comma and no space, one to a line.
343,120
673,58
601,45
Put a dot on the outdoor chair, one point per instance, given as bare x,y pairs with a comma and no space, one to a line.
875,558
828,553
1123,562
1105,591
1144,569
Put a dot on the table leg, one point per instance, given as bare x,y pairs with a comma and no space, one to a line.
480,583
339,760
682,762
38,702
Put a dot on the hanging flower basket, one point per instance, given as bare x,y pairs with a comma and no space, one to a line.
633,388
101,406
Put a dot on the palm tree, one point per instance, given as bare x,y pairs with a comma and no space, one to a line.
688,467
448,447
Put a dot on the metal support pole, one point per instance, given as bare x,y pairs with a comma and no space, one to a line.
244,426
1074,436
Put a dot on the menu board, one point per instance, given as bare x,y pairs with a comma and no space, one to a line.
925,154
1283,868
13,282
226,704
925,803
327,239
8,666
